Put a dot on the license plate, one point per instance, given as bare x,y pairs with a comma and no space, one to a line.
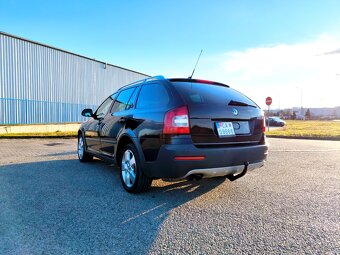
225,129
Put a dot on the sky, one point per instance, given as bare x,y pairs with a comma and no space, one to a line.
289,50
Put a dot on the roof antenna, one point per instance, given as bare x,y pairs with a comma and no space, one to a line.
193,71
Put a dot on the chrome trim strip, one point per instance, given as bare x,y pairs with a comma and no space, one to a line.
222,171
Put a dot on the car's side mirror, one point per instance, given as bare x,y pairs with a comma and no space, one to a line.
87,112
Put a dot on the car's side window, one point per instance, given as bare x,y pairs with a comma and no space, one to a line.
132,100
153,95
104,107
122,100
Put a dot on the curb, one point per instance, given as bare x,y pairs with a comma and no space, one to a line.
38,137
327,138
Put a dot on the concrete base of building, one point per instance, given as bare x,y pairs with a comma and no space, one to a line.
39,128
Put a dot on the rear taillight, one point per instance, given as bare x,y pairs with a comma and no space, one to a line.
189,158
176,121
263,123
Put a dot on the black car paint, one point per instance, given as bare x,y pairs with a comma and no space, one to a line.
144,128
134,123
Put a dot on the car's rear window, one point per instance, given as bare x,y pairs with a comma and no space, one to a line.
202,93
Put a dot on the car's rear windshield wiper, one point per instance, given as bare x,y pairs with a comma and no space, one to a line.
237,103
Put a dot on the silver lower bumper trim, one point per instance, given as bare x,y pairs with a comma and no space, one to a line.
222,171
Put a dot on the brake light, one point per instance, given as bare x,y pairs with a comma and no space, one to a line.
176,121
263,124
205,81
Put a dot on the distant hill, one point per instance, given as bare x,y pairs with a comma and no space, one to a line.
316,113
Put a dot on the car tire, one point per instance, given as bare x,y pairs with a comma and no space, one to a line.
132,176
83,155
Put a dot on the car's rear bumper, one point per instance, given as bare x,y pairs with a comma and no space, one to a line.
217,161
223,171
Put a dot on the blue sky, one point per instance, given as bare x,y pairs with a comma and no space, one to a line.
165,37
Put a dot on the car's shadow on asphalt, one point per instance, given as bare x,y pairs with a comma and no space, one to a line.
63,206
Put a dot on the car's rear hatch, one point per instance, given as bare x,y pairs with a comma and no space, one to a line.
220,115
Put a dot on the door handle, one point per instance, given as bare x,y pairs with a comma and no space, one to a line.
122,120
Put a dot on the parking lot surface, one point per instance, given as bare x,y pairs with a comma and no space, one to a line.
52,204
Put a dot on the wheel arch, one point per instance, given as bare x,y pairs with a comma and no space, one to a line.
123,140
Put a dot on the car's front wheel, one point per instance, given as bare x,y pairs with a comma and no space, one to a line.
132,177
82,153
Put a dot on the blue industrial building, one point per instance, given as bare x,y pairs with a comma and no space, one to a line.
43,84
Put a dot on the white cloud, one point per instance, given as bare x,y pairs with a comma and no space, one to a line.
282,71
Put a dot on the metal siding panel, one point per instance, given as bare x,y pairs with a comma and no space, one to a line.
45,85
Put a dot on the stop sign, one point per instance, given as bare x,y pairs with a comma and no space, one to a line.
269,101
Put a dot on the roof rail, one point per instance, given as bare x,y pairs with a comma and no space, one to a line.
158,77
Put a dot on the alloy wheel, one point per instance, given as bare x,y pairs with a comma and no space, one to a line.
80,147
128,168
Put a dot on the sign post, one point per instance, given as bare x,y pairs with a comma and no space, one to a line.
268,102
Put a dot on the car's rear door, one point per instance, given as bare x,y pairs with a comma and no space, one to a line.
220,115
115,120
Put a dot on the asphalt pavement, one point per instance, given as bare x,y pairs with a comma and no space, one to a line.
52,204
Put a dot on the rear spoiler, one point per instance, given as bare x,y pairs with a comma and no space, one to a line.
198,81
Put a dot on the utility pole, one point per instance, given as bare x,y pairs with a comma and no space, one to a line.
301,108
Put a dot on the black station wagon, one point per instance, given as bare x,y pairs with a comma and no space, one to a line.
175,128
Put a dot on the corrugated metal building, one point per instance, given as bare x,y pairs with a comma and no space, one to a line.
43,84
